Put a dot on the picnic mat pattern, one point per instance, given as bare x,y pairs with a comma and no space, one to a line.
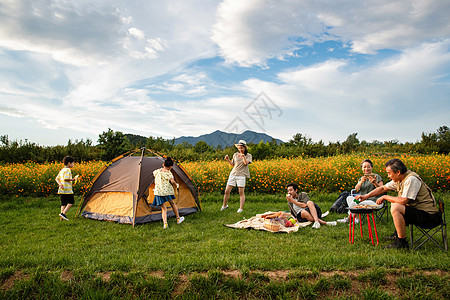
257,222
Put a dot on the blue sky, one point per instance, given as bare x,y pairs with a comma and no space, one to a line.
326,69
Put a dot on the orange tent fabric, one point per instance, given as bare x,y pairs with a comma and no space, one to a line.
123,191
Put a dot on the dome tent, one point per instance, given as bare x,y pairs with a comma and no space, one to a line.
123,191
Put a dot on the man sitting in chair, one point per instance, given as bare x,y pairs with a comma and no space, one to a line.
414,204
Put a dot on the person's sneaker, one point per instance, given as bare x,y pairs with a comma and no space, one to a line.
64,216
316,225
344,220
239,211
391,237
397,244
332,223
165,226
223,207
179,220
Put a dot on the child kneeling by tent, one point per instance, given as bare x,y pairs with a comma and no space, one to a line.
164,191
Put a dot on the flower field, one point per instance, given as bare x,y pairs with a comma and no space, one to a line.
330,174
31,179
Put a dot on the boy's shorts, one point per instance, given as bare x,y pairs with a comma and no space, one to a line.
421,218
238,181
67,199
299,215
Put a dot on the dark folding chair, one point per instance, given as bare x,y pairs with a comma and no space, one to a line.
382,211
429,234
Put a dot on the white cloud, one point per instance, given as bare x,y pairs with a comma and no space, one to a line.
251,32
11,112
86,57
73,35
397,97
137,33
192,84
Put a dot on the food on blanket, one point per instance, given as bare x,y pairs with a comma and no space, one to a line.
282,221
293,221
257,222
269,216
272,215
272,225
284,216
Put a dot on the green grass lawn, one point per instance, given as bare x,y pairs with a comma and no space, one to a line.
35,246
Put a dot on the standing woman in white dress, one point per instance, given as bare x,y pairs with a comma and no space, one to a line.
238,174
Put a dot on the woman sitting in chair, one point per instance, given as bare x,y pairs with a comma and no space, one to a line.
368,182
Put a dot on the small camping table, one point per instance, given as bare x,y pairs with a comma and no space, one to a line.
359,212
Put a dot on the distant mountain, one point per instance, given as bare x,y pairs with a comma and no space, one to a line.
136,140
227,139
213,139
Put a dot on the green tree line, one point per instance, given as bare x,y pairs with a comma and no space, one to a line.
114,143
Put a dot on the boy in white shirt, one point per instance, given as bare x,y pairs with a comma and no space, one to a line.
65,181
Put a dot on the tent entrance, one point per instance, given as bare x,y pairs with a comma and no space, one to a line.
110,206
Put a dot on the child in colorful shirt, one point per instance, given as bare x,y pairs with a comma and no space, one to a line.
65,181
164,191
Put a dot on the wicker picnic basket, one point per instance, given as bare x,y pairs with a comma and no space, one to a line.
272,225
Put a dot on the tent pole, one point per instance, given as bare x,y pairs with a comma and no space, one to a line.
138,184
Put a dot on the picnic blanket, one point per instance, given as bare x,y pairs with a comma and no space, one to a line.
257,222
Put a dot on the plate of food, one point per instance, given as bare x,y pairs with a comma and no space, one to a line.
365,208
